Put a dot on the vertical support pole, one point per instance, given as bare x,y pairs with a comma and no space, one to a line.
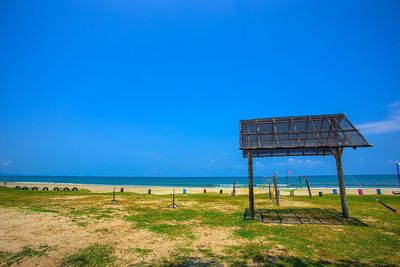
251,185
398,172
269,187
234,188
276,191
342,189
287,179
173,205
113,201
308,186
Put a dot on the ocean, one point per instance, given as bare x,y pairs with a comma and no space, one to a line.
323,181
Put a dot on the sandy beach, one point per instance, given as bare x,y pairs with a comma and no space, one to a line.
164,190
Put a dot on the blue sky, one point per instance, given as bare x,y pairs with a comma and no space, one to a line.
157,88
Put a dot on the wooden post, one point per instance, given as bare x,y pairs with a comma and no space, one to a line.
276,191
251,184
114,201
308,186
287,179
234,188
269,187
342,189
173,205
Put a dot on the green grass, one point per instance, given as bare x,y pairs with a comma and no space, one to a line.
35,209
169,221
262,244
93,212
102,230
172,230
8,258
142,252
96,255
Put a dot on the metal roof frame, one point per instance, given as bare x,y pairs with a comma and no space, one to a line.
313,135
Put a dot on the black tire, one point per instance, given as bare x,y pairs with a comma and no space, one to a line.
74,189
17,187
45,188
24,188
66,189
34,188
56,189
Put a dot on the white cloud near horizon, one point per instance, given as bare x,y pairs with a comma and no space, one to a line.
303,162
290,162
259,165
390,124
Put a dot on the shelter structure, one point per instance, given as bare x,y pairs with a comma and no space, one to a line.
317,135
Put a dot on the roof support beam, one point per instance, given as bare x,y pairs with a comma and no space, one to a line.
251,184
342,189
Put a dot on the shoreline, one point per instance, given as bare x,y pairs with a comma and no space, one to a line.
166,190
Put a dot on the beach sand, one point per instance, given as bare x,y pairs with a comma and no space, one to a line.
164,190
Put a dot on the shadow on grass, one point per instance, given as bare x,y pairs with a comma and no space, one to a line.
265,260
302,216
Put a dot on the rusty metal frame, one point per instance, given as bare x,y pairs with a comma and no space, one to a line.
311,140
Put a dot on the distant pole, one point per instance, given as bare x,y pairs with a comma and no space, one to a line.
113,201
398,172
287,178
308,186
269,187
276,191
173,205
342,189
234,188
251,184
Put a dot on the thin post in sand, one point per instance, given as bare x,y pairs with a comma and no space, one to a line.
308,186
114,201
173,205
276,191
269,187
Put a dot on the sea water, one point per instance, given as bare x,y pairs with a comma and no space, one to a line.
323,181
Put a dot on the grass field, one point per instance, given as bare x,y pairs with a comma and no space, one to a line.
84,229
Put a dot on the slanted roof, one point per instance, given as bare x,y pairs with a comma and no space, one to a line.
299,136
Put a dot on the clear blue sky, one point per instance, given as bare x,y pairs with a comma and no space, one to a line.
158,87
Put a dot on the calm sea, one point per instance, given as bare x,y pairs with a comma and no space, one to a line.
292,181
